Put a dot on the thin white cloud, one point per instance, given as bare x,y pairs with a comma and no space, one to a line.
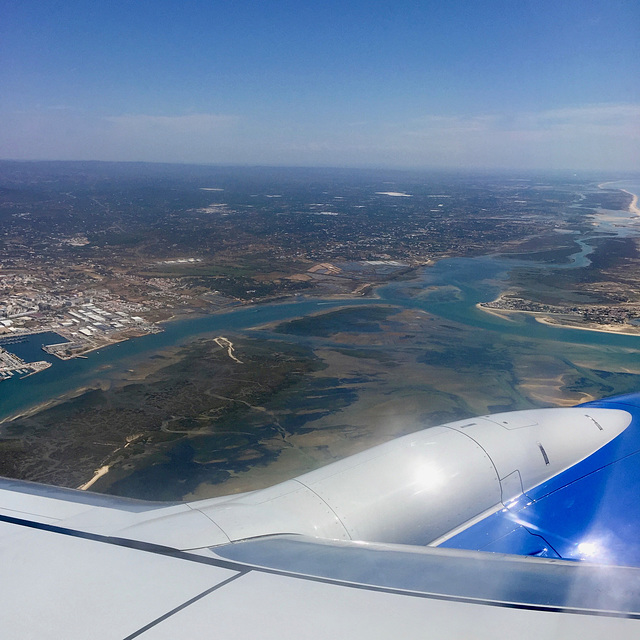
613,118
203,137
435,124
588,137
597,136
198,124
66,134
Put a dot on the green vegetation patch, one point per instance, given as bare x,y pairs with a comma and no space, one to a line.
201,418
369,354
353,320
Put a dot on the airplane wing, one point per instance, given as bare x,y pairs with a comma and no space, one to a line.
519,522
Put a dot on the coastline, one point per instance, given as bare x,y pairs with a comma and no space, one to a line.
547,318
102,471
96,347
549,321
633,207
47,404
146,369
352,300
543,317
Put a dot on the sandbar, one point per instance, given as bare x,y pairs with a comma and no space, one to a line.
543,317
633,207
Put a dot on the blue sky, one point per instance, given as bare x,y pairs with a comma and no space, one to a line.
461,84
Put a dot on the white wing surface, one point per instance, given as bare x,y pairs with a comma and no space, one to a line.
345,551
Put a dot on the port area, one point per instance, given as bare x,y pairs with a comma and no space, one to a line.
11,364
71,330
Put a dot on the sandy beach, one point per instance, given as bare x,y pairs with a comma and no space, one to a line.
604,328
102,471
36,408
633,207
543,317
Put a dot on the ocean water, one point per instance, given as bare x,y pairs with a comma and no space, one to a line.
633,186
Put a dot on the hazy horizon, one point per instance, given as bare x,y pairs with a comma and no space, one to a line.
409,85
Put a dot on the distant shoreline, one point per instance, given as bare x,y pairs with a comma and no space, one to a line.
633,207
551,323
543,318
46,404
546,318
373,298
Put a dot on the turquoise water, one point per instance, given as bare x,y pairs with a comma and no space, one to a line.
479,280
450,289
67,375
30,347
466,281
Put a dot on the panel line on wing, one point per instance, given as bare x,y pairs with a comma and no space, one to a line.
184,605
140,545
243,569
327,505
